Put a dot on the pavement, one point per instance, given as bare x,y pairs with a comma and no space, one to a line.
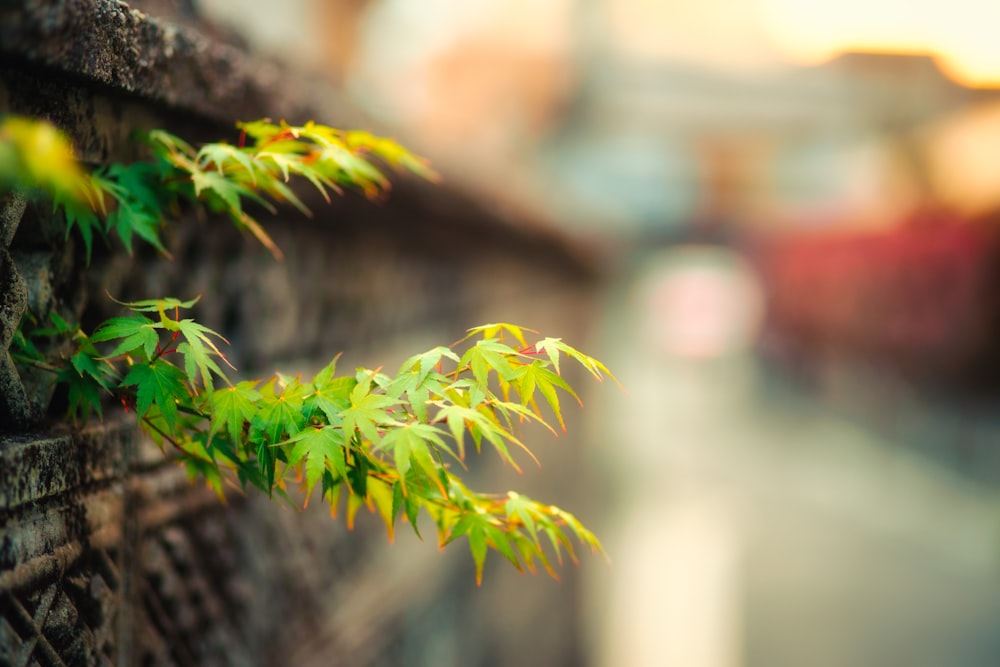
755,526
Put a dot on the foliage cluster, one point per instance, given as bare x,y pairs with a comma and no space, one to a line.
388,442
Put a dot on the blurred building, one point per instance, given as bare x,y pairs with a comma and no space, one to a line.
832,506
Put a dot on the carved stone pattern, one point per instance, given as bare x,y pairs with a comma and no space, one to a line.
65,621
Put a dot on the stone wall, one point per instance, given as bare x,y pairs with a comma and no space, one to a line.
108,554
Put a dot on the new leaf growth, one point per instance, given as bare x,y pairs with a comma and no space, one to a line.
388,442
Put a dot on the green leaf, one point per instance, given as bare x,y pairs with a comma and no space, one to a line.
60,325
131,218
136,332
360,431
330,395
232,407
198,351
534,376
350,169
222,193
79,215
23,349
477,545
382,496
487,355
496,329
170,142
584,535
276,417
481,532
86,379
196,360
266,462
480,425
260,130
392,152
418,387
357,474
553,346
412,443
140,180
158,305
412,508
368,412
523,509
327,375
294,163
207,470
225,157
423,364
500,541
82,212
323,450
158,383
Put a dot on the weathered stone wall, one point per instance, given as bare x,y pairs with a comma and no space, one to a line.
108,554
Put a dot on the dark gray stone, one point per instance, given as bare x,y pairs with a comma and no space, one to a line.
108,554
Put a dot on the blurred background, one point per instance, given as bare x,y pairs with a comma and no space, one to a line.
795,205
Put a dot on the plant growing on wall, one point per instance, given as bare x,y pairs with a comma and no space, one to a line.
391,442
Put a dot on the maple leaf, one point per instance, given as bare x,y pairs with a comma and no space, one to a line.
412,443
522,508
553,346
136,332
331,398
381,496
392,152
480,425
221,189
82,209
351,169
157,383
409,503
157,305
535,375
370,433
487,355
275,417
582,533
367,411
129,218
81,216
164,142
425,362
87,379
260,130
198,350
322,448
418,380
497,329
281,192
294,163
482,532
208,471
138,181
232,407
226,157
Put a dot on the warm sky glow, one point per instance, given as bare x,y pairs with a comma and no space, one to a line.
963,34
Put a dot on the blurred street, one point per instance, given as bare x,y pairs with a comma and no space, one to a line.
793,210
753,526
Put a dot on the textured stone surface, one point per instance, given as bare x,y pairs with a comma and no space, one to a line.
112,44
16,408
108,554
